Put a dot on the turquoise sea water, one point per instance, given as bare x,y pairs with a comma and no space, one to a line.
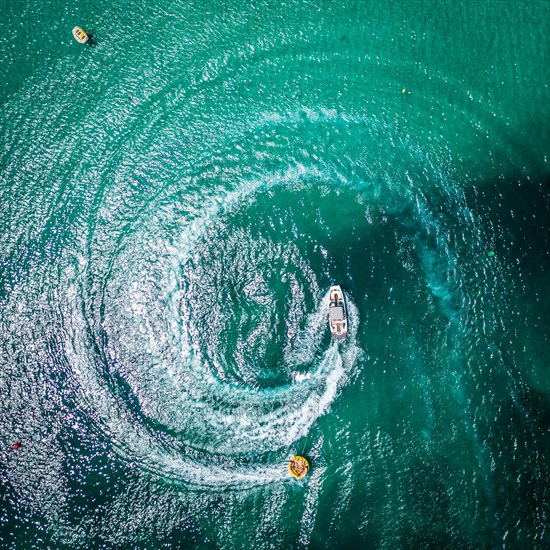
174,205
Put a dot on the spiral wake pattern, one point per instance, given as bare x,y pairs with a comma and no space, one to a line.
176,212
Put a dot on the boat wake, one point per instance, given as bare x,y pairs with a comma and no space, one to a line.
187,402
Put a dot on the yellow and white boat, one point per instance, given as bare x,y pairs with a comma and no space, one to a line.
80,35
298,467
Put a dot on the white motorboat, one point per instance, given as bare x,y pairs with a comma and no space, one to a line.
337,315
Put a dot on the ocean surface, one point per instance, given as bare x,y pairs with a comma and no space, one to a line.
175,202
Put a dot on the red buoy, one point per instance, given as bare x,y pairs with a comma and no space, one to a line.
17,445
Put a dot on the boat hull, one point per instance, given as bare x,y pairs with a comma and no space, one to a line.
337,317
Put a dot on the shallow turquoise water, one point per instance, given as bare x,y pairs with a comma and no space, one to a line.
175,203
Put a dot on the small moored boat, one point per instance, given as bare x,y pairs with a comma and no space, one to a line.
337,316
80,35
298,466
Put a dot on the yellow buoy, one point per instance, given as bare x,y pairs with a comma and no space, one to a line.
80,35
298,466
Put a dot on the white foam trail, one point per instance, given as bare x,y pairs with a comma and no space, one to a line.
298,407
215,421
